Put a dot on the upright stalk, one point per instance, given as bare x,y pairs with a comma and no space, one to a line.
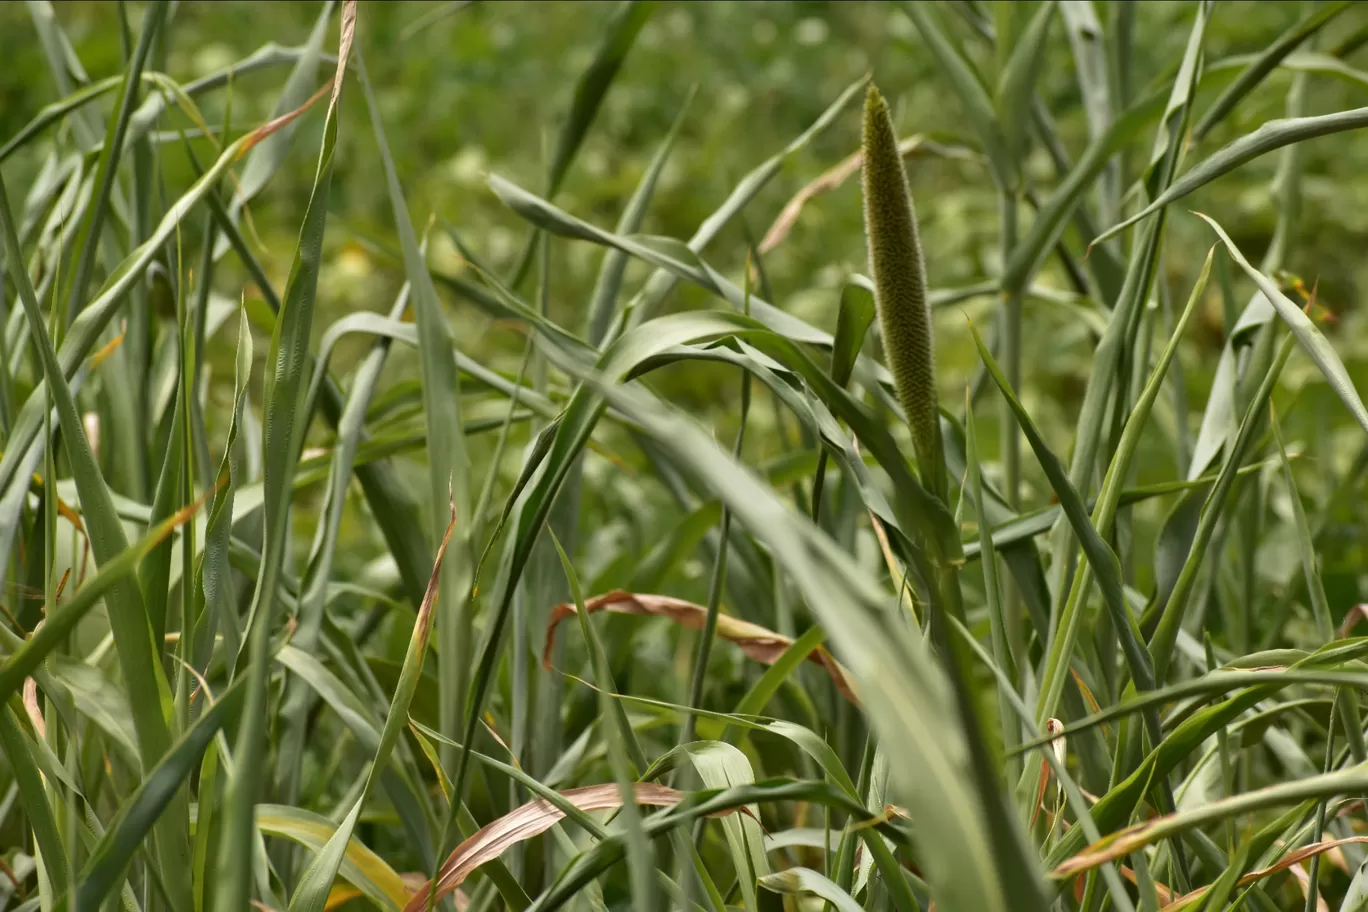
1009,348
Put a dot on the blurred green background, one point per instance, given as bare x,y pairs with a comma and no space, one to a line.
468,89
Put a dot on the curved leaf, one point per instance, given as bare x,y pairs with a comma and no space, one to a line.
360,867
804,881
531,819
1312,341
756,642
1275,134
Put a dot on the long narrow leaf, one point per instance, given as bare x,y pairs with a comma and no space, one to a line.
284,398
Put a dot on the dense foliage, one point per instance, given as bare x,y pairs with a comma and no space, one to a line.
426,426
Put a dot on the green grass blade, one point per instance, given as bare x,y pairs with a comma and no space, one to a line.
1312,341
138,655
1104,513
284,396
1264,64
640,860
591,88
155,572
85,330
997,622
56,111
314,586
312,893
1325,785
853,613
591,863
719,765
63,63
674,260
1320,607
764,689
716,583
268,155
157,103
1123,325
1093,64
216,582
1219,418
609,281
853,318
390,502
1274,134
1016,80
801,881
978,106
448,469
361,867
357,716
1101,558
92,226
658,287
27,658
37,806
1171,614
153,797
1026,257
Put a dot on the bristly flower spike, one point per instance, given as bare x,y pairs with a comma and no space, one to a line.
899,272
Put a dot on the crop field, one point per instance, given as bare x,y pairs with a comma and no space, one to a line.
636,456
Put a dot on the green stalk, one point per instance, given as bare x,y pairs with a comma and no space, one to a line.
1009,435
1009,355
284,398
1166,633
149,694
703,649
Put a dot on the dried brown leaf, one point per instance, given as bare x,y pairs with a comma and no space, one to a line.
758,643
522,823
838,174
35,714
1291,863
1351,618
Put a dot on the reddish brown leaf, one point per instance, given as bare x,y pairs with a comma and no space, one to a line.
344,893
1052,727
758,643
1289,863
1164,893
1355,614
532,819
836,176
35,714
283,120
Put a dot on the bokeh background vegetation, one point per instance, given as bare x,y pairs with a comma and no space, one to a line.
482,88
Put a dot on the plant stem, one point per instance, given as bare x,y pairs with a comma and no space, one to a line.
1009,350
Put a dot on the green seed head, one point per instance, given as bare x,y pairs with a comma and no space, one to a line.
899,273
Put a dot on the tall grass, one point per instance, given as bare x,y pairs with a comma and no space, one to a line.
904,658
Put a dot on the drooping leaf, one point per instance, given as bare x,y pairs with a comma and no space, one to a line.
531,819
756,642
1312,341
